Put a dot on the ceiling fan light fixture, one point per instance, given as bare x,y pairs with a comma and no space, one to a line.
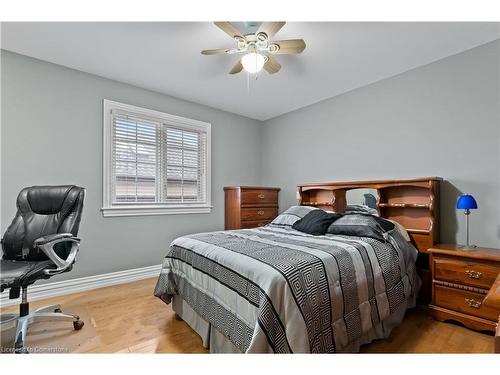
253,62
257,46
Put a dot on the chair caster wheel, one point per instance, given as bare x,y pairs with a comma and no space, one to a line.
78,325
58,311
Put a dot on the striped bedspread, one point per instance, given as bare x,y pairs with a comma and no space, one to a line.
274,289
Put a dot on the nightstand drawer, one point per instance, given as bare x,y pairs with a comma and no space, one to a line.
259,213
254,223
463,301
464,271
258,196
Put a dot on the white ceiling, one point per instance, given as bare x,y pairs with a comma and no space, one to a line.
165,57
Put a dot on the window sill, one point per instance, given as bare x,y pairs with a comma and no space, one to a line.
153,210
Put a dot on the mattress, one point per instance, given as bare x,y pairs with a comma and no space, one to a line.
276,290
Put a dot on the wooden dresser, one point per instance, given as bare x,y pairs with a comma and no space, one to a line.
250,206
460,281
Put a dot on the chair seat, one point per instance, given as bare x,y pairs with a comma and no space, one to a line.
18,273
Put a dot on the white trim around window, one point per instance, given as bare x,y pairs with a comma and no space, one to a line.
159,190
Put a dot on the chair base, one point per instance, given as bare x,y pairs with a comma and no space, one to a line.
46,313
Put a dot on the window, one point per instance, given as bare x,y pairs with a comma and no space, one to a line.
154,163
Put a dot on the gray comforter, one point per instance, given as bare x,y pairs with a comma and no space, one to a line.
274,289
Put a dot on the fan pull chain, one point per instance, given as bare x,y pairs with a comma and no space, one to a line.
248,81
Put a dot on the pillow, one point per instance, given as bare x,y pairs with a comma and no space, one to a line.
360,209
291,215
315,222
361,225
402,230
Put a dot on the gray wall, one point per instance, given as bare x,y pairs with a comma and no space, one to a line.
51,134
441,119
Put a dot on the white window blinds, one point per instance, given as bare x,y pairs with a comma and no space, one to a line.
156,162
183,153
135,151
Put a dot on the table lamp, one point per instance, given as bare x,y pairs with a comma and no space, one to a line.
467,202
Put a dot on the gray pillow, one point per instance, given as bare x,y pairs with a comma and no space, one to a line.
290,216
361,225
360,209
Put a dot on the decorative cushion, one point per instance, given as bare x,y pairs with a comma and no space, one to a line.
315,222
361,225
290,216
360,209
402,230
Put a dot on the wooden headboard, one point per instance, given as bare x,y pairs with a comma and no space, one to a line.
413,203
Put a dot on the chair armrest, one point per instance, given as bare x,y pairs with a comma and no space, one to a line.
47,243
52,237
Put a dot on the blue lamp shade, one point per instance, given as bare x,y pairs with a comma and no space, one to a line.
466,202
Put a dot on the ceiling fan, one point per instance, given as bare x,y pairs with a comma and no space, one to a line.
258,47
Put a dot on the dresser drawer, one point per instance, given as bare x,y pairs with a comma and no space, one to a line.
254,223
249,206
464,301
259,196
259,213
465,271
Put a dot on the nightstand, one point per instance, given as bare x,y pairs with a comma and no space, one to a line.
460,281
493,299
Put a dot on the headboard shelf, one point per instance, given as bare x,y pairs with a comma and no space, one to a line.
414,203
403,205
317,203
415,182
419,231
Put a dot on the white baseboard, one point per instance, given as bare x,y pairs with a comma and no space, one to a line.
60,288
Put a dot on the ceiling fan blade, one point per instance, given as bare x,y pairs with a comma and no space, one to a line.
270,28
272,66
229,29
215,51
238,67
289,46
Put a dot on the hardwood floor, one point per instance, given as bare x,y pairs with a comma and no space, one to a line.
129,319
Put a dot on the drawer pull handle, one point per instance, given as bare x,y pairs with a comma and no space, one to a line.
473,303
473,274
260,212
261,196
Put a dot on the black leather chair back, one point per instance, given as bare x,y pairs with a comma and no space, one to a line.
41,211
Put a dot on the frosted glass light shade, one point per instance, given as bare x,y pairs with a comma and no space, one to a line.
253,62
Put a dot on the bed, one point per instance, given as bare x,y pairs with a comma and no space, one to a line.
274,289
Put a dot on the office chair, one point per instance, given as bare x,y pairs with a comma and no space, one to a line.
39,243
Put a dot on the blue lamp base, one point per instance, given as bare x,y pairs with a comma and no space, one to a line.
467,202
467,247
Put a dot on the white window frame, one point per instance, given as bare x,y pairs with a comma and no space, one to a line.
110,210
